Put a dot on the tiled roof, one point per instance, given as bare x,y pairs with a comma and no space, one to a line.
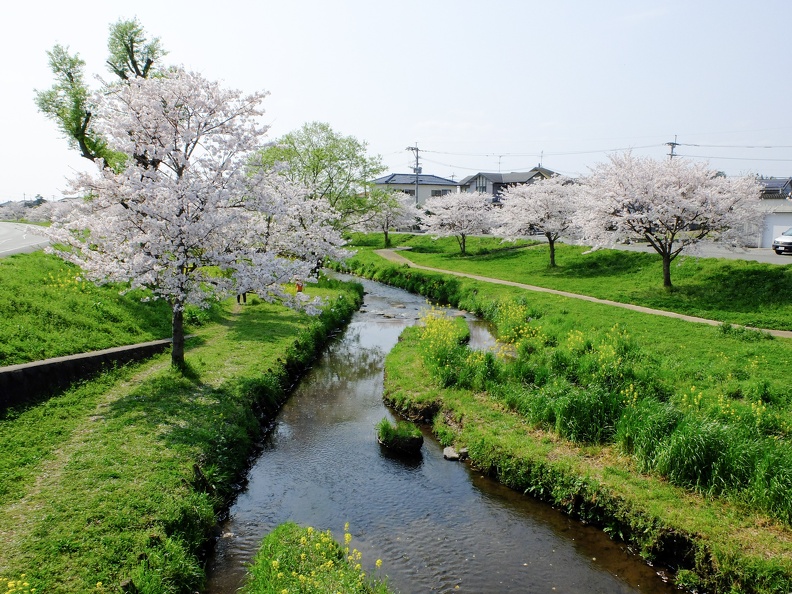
515,177
776,185
409,178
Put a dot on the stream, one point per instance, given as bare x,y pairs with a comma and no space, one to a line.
438,526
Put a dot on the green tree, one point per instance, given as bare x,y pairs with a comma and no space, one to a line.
131,54
332,166
68,102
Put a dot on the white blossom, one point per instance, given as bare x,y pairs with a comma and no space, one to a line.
395,210
186,218
458,215
549,206
671,204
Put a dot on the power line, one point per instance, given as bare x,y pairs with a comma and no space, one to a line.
741,146
734,158
541,154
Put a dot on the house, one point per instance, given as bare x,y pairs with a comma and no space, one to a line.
777,205
425,185
495,183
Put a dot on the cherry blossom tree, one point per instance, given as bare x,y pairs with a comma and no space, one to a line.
671,204
458,215
186,218
548,206
395,210
51,210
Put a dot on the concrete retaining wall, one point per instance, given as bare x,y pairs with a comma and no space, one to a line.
19,383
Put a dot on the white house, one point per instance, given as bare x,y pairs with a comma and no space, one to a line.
778,208
426,185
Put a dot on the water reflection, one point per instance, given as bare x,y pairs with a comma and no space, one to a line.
437,526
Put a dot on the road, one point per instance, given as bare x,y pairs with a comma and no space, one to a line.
711,250
16,238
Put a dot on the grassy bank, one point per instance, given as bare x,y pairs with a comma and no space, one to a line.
116,483
715,544
668,434
734,291
47,311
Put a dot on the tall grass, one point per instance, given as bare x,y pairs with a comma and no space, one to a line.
601,392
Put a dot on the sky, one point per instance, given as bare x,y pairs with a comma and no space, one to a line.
504,85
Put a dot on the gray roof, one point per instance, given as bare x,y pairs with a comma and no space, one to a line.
515,177
776,185
409,178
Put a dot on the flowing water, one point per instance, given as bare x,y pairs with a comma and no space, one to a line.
438,526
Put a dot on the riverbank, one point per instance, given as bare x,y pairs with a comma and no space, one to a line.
717,544
116,484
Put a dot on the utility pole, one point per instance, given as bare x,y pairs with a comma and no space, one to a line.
416,169
673,145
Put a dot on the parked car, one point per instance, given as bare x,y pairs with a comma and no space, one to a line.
783,243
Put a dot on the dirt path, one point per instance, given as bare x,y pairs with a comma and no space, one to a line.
396,258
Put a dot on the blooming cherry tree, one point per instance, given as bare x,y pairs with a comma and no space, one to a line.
458,215
549,207
186,218
396,210
672,204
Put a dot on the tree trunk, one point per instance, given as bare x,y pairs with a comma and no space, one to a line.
387,238
177,352
551,243
666,270
462,244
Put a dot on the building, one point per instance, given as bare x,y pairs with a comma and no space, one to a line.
426,185
777,205
495,183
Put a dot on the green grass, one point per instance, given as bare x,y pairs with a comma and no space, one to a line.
120,479
735,291
302,560
550,451
648,426
46,311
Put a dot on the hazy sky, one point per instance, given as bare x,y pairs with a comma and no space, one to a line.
495,86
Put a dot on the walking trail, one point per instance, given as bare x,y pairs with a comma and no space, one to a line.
396,258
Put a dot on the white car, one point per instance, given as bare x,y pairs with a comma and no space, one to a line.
783,243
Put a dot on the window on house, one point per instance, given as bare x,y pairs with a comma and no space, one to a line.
481,184
409,192
437,193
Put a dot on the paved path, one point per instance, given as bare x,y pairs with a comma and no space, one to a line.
18,237
395,257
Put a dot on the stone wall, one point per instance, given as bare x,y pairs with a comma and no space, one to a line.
19,383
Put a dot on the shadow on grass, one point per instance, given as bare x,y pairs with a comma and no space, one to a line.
603,263
739,289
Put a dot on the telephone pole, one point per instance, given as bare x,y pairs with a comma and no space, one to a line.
416,169
673,145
